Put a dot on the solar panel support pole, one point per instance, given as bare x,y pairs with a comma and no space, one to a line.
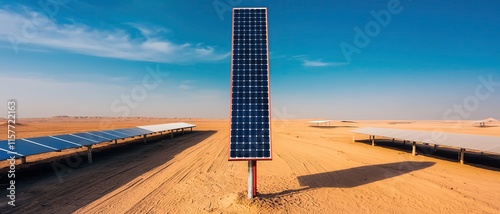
252,179
144,136
23,160
461,157
116,141
89,153
373,140
171,133
414,148
182,131
191,129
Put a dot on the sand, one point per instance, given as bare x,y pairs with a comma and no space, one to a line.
314,170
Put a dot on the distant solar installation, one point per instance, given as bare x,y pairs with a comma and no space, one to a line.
465,141
37,145
250,100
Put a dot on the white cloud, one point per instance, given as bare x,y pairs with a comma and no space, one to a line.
29,28
320,63
317,63
184,87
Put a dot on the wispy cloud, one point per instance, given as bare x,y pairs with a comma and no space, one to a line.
316,63
25,27
320,63
186,85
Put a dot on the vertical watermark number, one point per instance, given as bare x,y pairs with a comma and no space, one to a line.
11,136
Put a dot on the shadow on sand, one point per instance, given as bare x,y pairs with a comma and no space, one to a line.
353,177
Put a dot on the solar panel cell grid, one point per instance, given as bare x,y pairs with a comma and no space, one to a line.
250,135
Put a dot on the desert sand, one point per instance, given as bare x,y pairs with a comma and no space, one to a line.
314,170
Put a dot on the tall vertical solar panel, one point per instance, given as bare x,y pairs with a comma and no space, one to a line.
250,98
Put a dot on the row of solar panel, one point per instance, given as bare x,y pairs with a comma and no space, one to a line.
465,141
31,146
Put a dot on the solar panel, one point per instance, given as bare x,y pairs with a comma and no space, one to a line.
105,135
466,141
28,148
134,131
76,139
52,142
164,127
250,101
117,134
5,152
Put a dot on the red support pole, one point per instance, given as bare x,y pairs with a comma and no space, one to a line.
254,178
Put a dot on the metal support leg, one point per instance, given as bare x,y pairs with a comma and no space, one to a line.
393,140
191,129
23,160
89,153
144,136
116,141
461,157
171,133
414,148
252,181
404,143
182,131
373,140
435,148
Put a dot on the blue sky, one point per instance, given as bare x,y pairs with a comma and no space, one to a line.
385,59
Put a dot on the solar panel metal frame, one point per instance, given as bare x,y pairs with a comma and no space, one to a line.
248,157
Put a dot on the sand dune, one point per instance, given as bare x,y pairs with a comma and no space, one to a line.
314,170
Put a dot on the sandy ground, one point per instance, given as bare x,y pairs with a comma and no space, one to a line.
314,170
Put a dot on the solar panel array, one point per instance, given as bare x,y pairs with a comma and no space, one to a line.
32,146
465,141
250,102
